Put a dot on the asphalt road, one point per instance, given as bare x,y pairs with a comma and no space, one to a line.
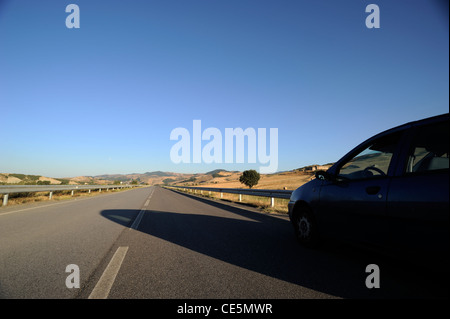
157,243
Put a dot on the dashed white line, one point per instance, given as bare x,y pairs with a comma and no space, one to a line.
104,285
138,219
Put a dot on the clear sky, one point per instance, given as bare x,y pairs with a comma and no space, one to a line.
104,98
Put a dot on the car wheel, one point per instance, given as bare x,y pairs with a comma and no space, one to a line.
305,228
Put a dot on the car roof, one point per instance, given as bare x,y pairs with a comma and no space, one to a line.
429,120
425,121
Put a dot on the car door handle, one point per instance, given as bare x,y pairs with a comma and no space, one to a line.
372,190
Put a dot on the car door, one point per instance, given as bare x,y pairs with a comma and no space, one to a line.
352,206
418,205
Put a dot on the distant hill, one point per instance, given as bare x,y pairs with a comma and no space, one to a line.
24,179
150,178
159,173
216,171
216,177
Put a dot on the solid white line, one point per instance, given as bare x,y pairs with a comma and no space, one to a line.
66,201
25,209
104,285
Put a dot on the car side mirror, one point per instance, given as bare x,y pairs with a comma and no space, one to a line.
324,175
327,176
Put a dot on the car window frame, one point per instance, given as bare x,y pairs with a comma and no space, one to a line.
404,159
398,151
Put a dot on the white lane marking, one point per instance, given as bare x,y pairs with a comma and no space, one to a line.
68,201
104,285
25,209
138,219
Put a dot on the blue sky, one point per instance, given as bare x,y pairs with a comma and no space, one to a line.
104,98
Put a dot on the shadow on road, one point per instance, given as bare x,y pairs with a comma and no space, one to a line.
266,245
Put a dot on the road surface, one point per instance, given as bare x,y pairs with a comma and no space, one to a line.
157,243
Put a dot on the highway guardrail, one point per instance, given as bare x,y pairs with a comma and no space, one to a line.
5,190
271,193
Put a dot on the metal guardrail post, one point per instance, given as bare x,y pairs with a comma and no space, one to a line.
5,199
269,193
5,190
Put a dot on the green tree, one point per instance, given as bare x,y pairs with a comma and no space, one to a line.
250,178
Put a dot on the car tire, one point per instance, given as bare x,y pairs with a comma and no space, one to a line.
305,228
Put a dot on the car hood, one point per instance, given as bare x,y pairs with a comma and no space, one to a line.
307,191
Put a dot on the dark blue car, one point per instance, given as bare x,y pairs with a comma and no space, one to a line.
390,193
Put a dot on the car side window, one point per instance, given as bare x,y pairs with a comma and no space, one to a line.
373,161
430,149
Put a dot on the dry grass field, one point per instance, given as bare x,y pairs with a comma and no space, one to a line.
286,180
290,180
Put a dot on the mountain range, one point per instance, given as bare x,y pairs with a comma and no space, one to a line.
215,177
150,178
